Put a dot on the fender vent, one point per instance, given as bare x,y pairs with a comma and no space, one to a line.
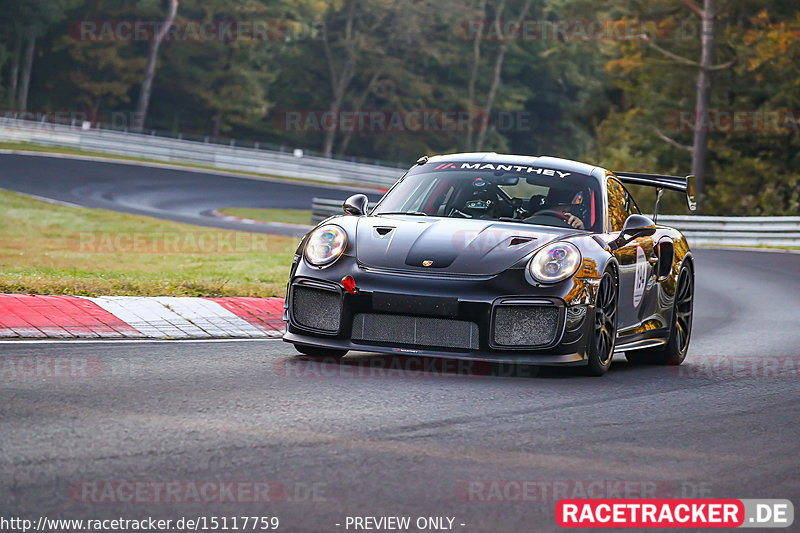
665,251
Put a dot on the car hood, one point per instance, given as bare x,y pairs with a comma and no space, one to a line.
447,245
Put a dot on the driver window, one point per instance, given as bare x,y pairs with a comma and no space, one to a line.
620,205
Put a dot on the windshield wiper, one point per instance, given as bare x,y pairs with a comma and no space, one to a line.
410,213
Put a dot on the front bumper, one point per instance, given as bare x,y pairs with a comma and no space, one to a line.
410,307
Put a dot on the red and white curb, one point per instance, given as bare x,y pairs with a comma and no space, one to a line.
30,316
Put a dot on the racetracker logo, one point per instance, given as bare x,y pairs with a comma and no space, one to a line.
480,242
739,367
533,491
401,121
191,492
731,121
50,367
194,31
47,120
395,366
683,513
570,30
188,242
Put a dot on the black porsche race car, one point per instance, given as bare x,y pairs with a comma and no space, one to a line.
499,258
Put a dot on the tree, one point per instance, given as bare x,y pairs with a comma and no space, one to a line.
103,73
700,143
150,69
353,38
705,67
29,20
497,70
655,119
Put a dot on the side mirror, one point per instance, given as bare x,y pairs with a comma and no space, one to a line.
639,226
635,226
356,205
691,200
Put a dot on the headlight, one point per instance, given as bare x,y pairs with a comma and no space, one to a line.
325,245
555,262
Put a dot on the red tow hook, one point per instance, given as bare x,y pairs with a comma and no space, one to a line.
349,284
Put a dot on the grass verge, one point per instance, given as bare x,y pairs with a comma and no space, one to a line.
51,249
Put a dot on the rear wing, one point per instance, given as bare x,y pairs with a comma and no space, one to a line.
660,181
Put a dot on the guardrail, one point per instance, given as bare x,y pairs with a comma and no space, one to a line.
699,230
322,208
737,231
220,156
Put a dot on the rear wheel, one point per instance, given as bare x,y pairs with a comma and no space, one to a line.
674,351
320,354
601,346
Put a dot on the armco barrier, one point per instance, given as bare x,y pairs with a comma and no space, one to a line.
198,153
737,231
322,208
699,230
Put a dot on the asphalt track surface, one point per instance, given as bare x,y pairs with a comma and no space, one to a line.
175,194
402,443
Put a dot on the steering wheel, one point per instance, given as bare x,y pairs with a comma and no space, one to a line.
552,213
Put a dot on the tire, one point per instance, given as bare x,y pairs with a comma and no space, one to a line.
604,331
320,354
674,351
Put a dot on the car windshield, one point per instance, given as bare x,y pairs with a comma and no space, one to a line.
492,191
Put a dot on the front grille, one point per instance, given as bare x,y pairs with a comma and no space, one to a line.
525,325
415,331
317,309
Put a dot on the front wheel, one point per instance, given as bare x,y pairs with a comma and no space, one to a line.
320,354
604,337
674,351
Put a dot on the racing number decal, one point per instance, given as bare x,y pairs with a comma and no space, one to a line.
641,276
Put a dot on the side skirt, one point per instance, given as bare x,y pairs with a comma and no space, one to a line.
639,345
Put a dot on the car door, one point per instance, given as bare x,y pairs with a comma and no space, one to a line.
636,260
